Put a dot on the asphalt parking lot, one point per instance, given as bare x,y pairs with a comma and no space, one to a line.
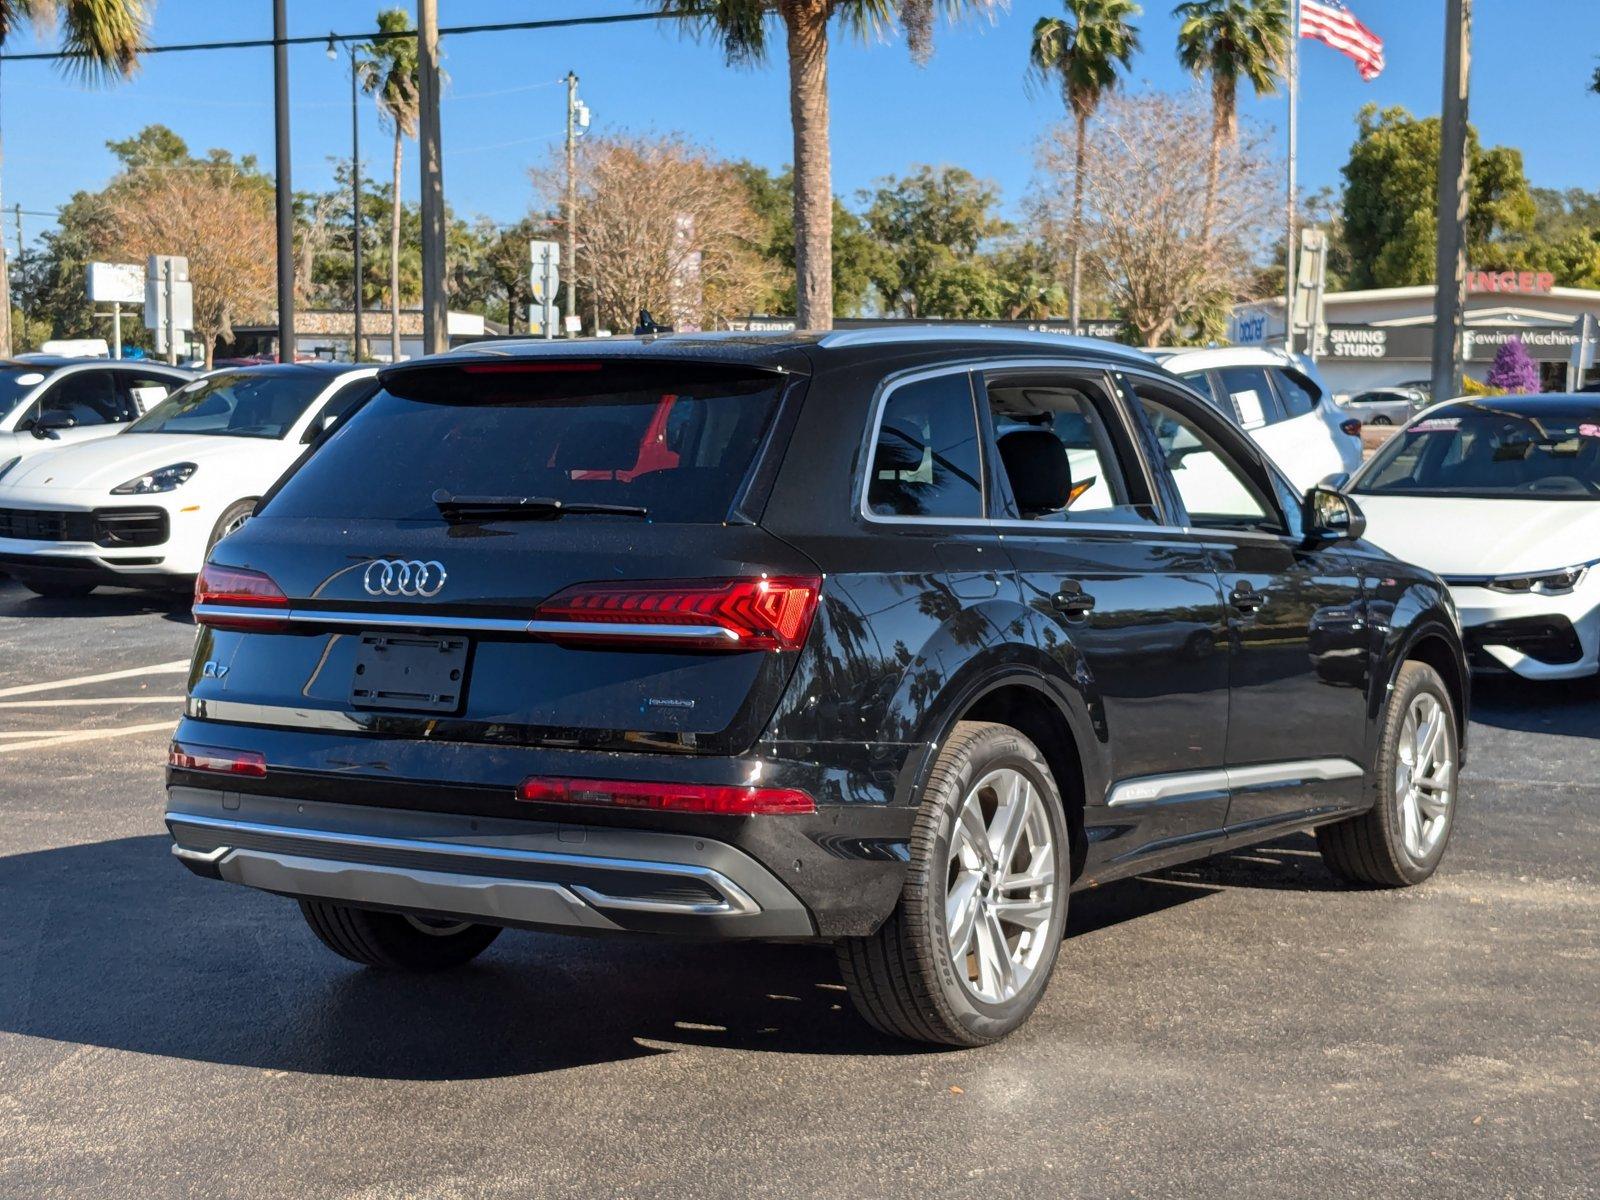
1245,1027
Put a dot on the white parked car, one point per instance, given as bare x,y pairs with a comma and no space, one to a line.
47,401
1501,498
143,509
1278,400
1385,406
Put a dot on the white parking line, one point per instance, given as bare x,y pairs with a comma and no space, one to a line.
168,668
90,703
86,735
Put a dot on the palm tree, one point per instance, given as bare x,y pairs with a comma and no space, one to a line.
1231,40
388,70
741,26
1084,55
104,39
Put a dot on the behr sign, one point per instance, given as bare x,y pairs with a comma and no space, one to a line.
1511,283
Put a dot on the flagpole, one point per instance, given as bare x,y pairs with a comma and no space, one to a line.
1294,149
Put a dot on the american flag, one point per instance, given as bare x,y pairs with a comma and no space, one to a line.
1331,23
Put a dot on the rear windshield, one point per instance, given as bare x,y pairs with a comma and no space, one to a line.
677,441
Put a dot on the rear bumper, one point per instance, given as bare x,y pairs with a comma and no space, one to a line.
531,874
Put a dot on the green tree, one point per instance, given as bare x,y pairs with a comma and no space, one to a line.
389,72
741,27
856,254
1084,55
1232,41
935,226
1391,179
104,38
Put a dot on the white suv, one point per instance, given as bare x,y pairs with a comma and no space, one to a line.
1279,401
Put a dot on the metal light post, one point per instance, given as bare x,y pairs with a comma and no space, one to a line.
285,188
435,334
577,122
1451,267
355,193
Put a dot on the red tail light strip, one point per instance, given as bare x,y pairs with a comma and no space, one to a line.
187,757
725,800
234,598
762,613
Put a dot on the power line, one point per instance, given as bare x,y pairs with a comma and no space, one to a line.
375,36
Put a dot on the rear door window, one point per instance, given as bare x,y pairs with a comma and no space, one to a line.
1297,393
1251,393
89,398
677,440
147,391
927,460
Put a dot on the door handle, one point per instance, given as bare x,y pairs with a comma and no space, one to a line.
1246,599
1072,600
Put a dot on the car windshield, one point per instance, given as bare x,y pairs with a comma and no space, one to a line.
15,383
256,404
1479,450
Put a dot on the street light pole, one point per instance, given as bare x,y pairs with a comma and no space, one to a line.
355,201
572,200
284,186
1451,266
435,334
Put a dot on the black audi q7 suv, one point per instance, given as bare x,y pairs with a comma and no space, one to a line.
888,639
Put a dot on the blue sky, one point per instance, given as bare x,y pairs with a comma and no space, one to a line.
1533,60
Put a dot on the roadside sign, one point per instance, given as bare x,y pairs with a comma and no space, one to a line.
116,283
545,276
1584,351
168,302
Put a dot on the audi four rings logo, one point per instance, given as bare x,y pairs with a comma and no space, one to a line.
403,577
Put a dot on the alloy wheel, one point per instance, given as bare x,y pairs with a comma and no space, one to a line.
1424,784
1001,886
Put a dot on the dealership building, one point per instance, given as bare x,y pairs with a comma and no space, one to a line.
1384,337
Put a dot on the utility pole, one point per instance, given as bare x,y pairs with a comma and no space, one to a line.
285,190
435,333
6,348
572,200
355,202
1451,267
1290,279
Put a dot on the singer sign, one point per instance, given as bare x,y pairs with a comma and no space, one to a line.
1511,283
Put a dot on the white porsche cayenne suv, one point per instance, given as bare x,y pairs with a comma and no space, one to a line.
143,508
1501,498
1277,399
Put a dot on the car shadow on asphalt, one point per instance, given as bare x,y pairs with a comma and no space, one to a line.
113,944
18,601
1569,708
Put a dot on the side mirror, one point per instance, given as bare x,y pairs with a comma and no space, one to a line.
1331,515
49,425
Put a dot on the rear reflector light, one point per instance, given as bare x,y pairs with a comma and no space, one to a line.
1352,427
234,588
186,757
667,797
767,613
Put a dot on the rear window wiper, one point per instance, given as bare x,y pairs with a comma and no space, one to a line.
529,508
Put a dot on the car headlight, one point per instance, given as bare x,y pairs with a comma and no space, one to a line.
8,464
1546,583
162,479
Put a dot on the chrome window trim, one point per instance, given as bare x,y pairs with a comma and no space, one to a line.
1188,786
394,620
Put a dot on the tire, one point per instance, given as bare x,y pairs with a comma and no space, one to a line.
907,980
394,942
58,591
1381,420
235,515
1400,841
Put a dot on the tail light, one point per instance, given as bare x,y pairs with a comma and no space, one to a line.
1352,427
725,800
766,613
220,593
186,757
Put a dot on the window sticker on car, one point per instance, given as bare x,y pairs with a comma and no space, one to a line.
1437,425
1251,414
29,379
1589,431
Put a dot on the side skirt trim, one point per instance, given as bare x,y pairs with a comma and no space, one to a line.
1187,787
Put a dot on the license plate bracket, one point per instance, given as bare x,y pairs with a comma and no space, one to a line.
410,672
